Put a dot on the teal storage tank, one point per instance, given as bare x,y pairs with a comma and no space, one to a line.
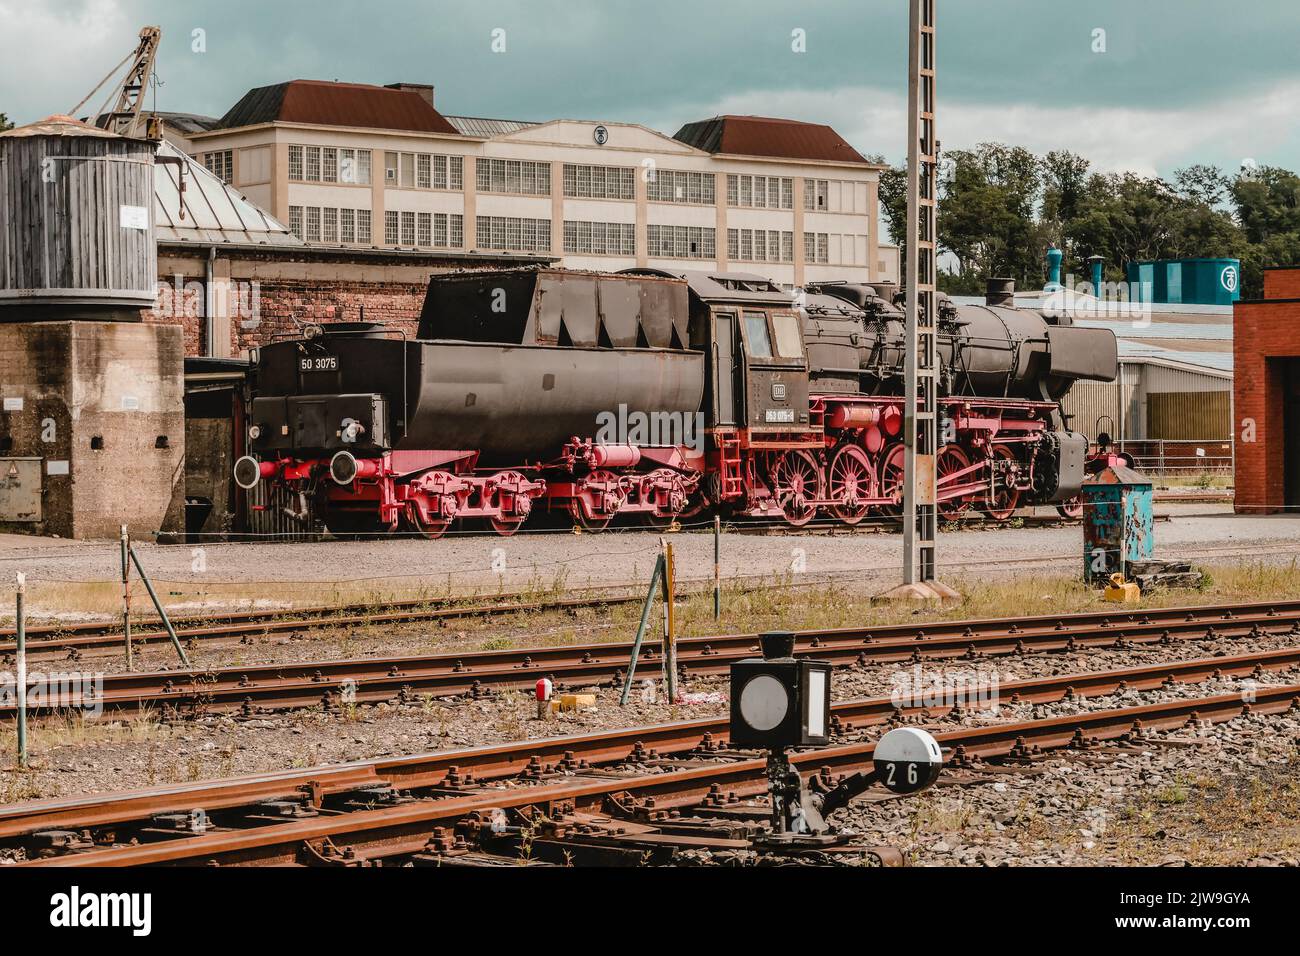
1185,281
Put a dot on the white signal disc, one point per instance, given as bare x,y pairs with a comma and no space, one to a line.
764,702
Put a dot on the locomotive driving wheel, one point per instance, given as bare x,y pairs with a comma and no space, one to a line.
513,509
797,481
852,478
950,460
1003,498
891,479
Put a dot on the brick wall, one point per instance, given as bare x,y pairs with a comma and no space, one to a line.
1265,334
1282,283
279,306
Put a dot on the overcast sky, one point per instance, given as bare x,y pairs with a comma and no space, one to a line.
1179,81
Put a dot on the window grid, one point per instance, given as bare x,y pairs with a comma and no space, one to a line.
681,186
760,245
295,163
221,164
499,232
313,224
390,227
329,161
600,238
329,224
681,242
295,220
520,177
599,182
760,192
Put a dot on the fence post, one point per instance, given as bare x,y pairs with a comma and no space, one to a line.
717,567
126,598
640,631
148,585
20,635
669,582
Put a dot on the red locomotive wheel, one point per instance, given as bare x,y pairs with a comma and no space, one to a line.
431,529
1071,508
1001,503
891,479
512,516
608,499
950,460
798,481
852,478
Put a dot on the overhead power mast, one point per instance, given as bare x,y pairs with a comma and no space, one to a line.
921,425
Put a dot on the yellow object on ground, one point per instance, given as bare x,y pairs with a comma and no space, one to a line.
1122,592
573,702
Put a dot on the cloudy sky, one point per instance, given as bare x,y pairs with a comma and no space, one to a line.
1144,85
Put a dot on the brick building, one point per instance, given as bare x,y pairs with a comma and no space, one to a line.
1267,396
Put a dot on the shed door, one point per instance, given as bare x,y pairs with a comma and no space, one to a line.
1291,434
724,368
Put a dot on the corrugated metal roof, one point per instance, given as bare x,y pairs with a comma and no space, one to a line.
1161,330
214,213
59,125
766,136
322,103
482,127
1220,361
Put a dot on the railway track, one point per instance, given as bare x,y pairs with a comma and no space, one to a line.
645,791
374,679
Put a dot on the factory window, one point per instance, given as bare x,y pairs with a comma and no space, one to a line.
329,225
456,230
295,163
682,242
424,229
295,220
313,163
511,234
787,247
423,177
363,226
347,225
760,192
313,224
408,228
600,238
667,185
520,177
746,244
823,247
390,227
455,175
815,194
733,243
329,164
221,164
408,171
354,166
599,182
760,245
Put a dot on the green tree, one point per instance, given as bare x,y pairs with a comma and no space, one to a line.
4,122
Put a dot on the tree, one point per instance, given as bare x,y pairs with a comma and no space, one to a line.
4,123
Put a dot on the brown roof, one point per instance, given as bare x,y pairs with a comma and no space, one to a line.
59,125
322,103
765,136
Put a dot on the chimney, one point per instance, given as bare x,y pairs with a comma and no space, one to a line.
1095,263
424,89
1000,292
1054,257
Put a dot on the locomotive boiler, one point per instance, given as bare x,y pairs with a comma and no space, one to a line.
652,395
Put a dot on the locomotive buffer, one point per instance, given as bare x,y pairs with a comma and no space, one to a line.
778,702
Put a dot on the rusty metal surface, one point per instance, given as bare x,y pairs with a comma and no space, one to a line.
321,103
763,136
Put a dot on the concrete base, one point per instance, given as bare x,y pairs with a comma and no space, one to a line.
92,432
922,591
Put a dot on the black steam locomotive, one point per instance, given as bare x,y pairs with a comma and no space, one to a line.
656,395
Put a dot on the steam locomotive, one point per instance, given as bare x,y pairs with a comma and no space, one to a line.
656,395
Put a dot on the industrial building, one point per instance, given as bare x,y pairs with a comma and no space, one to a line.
359,167
1267,396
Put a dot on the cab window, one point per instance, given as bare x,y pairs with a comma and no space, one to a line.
760,346
788,342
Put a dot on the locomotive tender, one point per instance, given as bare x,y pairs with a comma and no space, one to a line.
657,395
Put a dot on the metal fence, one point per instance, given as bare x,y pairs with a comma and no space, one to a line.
1180,457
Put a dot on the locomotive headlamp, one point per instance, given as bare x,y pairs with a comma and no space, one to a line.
778,701
255,432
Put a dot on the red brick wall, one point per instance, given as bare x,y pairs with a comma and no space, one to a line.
279,302
1282,283
1264,333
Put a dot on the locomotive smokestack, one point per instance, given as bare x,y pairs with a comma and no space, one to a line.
1000,292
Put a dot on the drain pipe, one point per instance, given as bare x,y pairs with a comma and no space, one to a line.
209,322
